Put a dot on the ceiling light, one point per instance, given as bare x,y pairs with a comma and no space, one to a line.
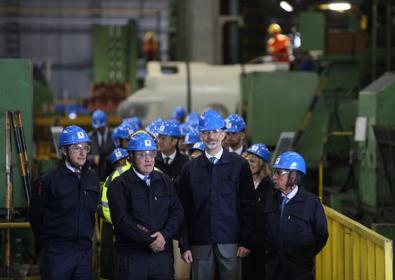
339,7
286,6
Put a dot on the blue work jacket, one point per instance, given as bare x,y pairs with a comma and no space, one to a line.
293,241
138,211
218,200
62,209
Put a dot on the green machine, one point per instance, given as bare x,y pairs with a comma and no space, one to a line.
16,92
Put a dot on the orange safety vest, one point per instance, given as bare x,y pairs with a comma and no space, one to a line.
278,47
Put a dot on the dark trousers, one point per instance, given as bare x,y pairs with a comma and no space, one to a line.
143,266
66,265
106,251
253,266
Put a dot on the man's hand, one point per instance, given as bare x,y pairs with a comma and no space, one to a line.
243,252
187,256
159,243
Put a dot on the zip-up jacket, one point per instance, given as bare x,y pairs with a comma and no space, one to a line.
62,209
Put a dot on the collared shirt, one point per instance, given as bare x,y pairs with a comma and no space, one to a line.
171,157
72,168
141,176
291,194
217,156
237,151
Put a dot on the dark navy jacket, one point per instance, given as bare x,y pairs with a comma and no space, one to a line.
137,211
172,170
218,201
62,209
293,243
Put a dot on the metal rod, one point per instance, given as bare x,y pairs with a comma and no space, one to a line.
8,193
22,155
15,225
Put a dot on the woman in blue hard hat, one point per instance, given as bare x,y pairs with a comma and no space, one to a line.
295,222
258,157
146,215
62,211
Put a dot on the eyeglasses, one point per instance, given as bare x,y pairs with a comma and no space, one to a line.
145,155
280,172
208,132
78,148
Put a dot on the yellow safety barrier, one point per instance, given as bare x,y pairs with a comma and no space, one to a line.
353,251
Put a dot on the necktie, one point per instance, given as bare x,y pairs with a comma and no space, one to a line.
167,159
77,173
147,180
212,160
283,202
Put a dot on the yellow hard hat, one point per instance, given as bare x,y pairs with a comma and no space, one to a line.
274,28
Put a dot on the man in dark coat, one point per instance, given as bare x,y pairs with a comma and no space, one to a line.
295,223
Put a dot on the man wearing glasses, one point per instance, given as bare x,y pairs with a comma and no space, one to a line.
295,222
62,211
146,215
217,192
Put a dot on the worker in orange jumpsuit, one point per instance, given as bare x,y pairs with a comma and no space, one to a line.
150,46
278,45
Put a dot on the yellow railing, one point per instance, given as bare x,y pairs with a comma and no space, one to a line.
353,251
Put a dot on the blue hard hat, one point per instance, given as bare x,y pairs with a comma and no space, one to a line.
178,113
118,154
122,132
73,135
193,119
135,122
260,150
198,146
141,141
153,127
210,120
99,119
291,161
192,137
170,128
234,123
185,129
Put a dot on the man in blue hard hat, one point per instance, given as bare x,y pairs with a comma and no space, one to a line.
217,192
62,211
121,136
146,215
169,159
295,222
235,133
101,144
178,114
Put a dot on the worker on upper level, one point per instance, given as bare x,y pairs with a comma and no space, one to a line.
101,144
258,157
146,215
150,47
119,158
294,222
235,127
278,44
62,211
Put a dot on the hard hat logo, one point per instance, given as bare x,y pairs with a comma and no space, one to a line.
277,160
80,135
147,143
254,148
228,124
118,154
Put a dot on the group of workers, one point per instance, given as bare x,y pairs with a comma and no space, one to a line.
182,199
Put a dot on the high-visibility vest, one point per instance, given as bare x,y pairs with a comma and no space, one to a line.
109,179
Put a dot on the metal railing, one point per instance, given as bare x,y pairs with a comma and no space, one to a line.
353,251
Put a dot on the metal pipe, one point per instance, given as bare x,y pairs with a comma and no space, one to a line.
14,225
321,180
8,193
